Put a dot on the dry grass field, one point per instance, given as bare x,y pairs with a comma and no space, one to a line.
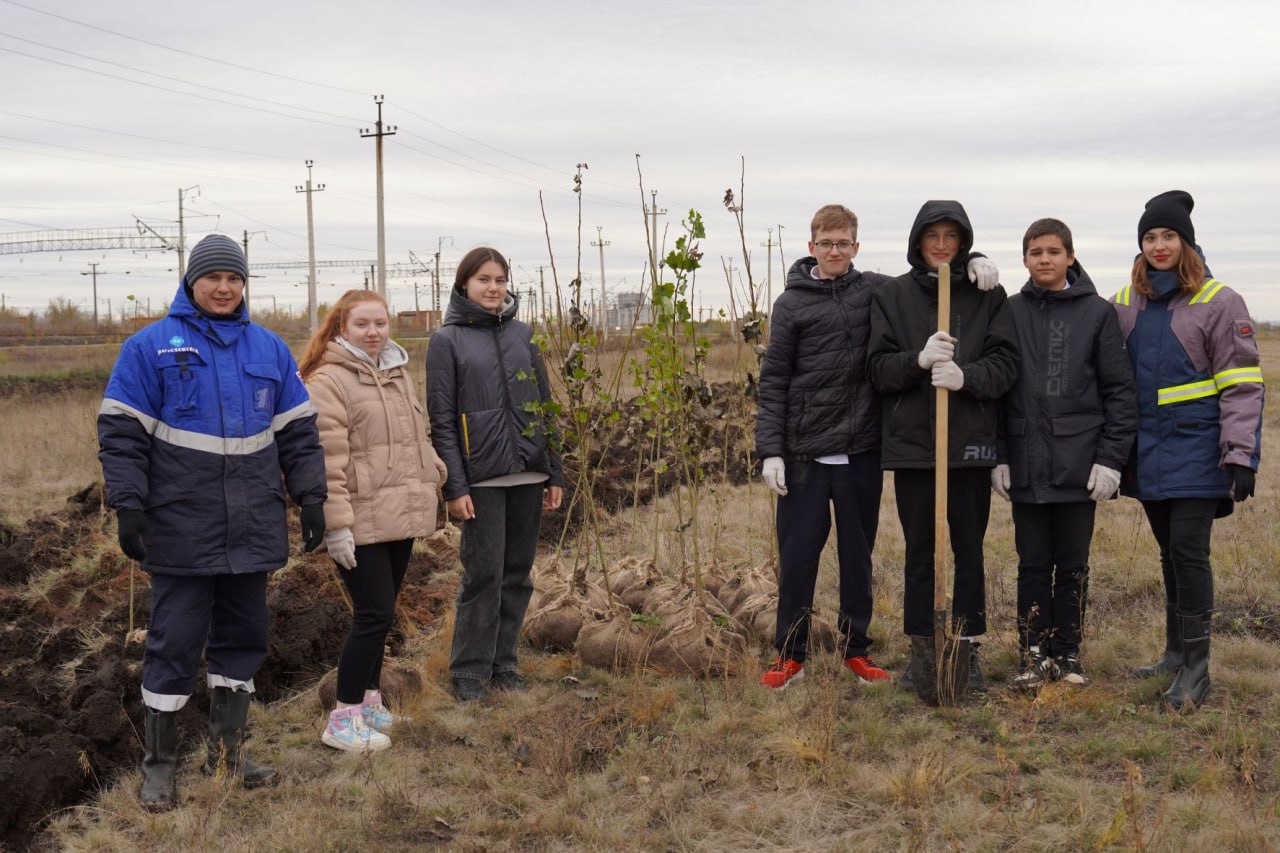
602,761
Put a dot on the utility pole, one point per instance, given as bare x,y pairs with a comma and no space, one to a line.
377,135
653,212
312,312
93,271
542,288
439,249
604,302
245,243
182,233
768,276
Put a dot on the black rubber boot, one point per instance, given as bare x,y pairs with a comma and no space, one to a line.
1171,661
228,712
1191,684
977,682
160,761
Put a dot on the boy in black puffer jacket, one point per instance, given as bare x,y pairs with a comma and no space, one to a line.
908,357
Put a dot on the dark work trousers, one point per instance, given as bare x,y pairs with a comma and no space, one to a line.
1182,527
223,616
1053,573
804,521
374,584
968,508
497,551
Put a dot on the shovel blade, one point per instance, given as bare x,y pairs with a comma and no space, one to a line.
940,671
924,669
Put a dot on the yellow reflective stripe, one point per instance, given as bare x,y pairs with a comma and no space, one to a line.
1122,298
1235,376
1182,393
1207,291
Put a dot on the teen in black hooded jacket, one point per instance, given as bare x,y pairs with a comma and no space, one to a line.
1066,429
907,358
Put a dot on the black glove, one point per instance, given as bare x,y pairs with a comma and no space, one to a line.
1241,481
312,527
132,526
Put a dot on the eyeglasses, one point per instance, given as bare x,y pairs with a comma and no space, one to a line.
827,245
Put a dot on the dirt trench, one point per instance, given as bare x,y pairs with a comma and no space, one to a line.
70,702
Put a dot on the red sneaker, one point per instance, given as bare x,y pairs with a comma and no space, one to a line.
782,673
866,669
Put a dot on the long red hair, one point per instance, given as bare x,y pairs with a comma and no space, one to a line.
331,328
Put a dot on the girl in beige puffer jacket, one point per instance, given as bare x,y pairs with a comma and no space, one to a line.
384,479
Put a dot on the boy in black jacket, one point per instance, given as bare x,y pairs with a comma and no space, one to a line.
1066,429
909,356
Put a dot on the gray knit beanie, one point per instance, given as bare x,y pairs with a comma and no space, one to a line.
216,253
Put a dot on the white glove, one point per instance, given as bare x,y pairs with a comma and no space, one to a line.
947,374
984,273
1103,482
774,474
1000,480
939,347
341,545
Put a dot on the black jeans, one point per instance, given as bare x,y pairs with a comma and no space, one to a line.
374,584
1053,573
968,508
1182,527
497,551
804,522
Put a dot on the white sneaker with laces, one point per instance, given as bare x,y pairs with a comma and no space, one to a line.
347,731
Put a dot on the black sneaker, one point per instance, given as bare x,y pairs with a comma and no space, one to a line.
1037,668
1071,671
469,689
510,681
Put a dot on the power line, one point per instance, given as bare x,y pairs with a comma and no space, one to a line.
167,89
183,52
137,70
147,138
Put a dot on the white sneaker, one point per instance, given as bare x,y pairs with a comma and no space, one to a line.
347,731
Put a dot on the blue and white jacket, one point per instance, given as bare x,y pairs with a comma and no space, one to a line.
200,418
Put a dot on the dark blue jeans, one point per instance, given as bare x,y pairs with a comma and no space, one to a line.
497,551
374,584
225,617
1053,573
804,522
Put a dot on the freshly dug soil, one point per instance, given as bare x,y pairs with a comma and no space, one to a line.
70,704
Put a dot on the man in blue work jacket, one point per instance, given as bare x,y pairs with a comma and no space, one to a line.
203,412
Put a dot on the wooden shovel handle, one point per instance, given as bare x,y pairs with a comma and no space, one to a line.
940,456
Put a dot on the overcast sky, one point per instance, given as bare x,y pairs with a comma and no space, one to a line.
1077,110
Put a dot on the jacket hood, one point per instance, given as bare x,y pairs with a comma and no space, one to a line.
225,329
463,312
937,211
1078,281
800,276
341,351
187,295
